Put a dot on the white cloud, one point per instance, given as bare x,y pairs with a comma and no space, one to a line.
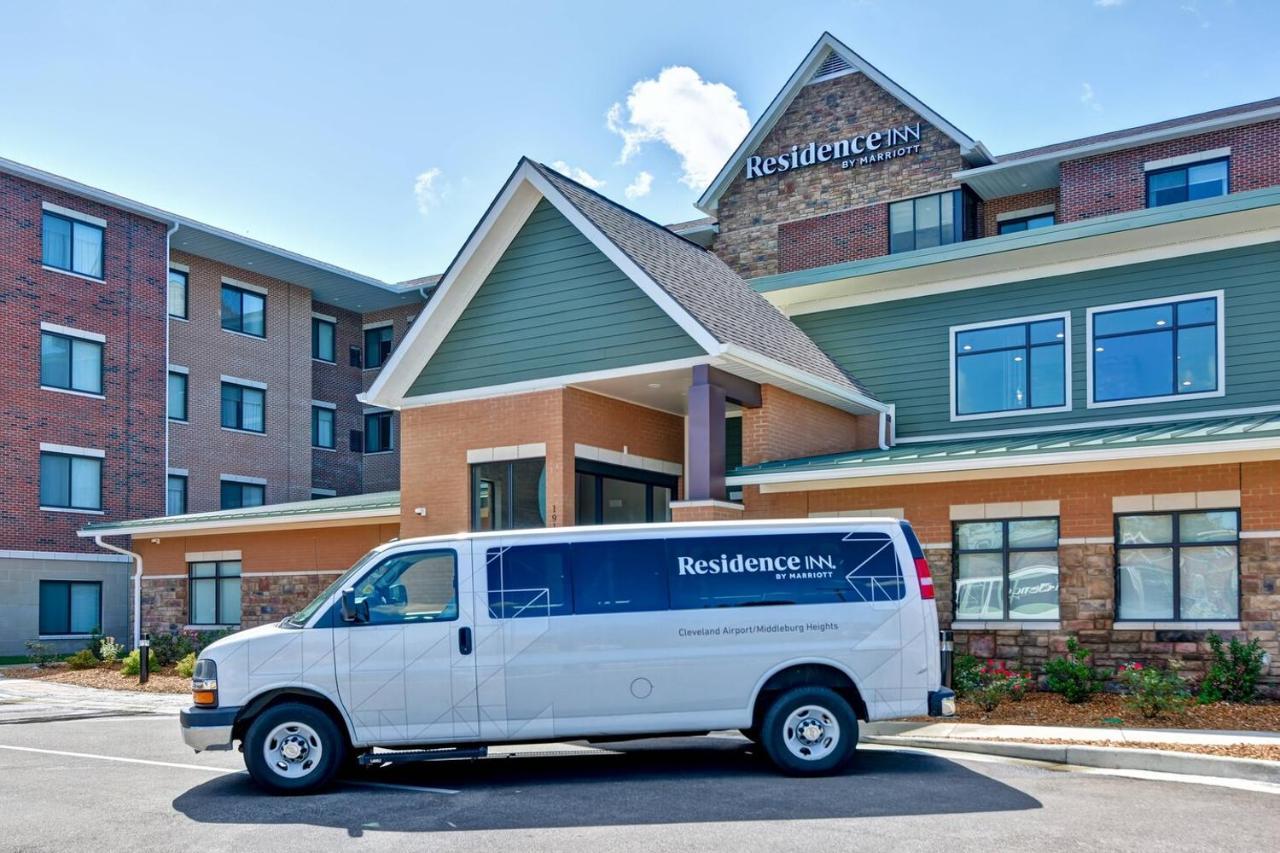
1107,4
701,122
582,176
639,188
1087,98
428,190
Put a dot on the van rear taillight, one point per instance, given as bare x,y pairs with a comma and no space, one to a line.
925,578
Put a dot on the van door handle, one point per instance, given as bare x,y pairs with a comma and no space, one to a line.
464,640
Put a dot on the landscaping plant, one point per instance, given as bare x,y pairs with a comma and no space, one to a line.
109,649
1073,676
83,659
187,666
39,653
1154,692
132,664
1233,672
996,682
966,674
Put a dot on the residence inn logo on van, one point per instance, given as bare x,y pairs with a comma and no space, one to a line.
790,565
874,147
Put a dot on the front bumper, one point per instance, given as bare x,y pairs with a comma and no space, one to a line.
207,728
942,702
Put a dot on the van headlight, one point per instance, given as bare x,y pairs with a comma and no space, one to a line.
204,684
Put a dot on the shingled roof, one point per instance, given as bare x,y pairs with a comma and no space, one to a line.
712,293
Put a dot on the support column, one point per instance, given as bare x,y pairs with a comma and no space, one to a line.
704,476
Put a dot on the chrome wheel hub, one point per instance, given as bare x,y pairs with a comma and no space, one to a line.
811,732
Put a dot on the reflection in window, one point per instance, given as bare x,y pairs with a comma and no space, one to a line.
1025,223
509,495
611,494
1012,367
932,220
1158,350
69,244
244,311
1187,183
1178,565
1007,570
417,587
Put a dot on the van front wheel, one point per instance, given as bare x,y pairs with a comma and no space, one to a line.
293,749
809,731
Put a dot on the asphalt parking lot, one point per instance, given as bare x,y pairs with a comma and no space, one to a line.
128,783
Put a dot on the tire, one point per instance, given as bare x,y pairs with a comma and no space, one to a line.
809,731
293,748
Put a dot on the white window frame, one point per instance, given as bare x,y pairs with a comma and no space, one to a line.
1064,316
1174,299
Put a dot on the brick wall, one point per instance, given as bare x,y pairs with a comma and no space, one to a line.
993,207
788,426
381,471
847,235
339,469
282,360
1115,182
127,423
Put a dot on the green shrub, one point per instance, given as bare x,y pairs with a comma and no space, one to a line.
132,665
965,674
1154,692
1234,671
40,654
1073,676
187,665
171,648
109,649
95,642
83,659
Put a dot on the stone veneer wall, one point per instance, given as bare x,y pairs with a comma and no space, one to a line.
264,599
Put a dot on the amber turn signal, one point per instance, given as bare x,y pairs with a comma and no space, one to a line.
204,697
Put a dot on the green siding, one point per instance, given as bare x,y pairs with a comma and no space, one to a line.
900,349
553,305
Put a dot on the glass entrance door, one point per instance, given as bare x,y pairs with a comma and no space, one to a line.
611,494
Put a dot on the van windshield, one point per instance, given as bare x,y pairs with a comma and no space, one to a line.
304,615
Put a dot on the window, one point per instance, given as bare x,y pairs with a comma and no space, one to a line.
608,494
322,434
1178,566
931,220
625,576
377,432
1019,366
243,407
1025,223
178,294
244,311
416,587
322,340
1006,570
237,495
529,580
177,396
70,363
70,607
70,482
72,245
377,346
1157,350
322,494
1187,183
213,593
176,496
509,495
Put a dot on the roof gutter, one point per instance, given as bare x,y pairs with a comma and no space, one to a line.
751,358
223,525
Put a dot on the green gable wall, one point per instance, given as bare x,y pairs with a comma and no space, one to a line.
900,349
553,305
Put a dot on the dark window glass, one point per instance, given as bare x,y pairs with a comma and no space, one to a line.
214,593
243,407
416,587
1006,569
322,432
71,363
353,355
625,576
1178,565
176,496
244,311
932,220
356,441
738,571
236,495
1155,350
377,432
177,294
526,581
377,346
1025,223
1010,368
508,495
70,482
1187,183
69,244
611,494
322,340
70,607
177,396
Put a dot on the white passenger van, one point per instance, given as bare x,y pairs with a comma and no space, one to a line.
790,631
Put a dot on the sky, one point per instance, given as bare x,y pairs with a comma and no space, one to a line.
373,135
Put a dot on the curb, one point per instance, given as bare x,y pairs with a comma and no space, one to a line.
1110,758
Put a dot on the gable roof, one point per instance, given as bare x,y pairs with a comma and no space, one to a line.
712,303
828,58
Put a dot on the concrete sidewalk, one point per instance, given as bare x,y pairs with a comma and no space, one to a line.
978,731
31,700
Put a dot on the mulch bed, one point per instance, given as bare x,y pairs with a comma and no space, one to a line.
163,681
1108,710
1261,751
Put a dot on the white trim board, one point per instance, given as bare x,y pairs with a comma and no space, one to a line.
73,214
70,332
247,383
1187,159
627,460
72,450
1026,212
244,285
236,478
480,455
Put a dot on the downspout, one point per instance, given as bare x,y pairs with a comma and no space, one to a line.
884,417
137,584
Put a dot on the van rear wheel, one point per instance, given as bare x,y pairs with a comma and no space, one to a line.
293,748
809,731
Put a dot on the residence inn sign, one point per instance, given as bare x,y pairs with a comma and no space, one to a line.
859,150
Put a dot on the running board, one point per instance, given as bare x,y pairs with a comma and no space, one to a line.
375,759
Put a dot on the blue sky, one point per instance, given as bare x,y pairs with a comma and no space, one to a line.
373,135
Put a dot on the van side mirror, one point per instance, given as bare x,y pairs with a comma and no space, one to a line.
352,610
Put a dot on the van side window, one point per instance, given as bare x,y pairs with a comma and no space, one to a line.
737,571
528,580
416,587
623,576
